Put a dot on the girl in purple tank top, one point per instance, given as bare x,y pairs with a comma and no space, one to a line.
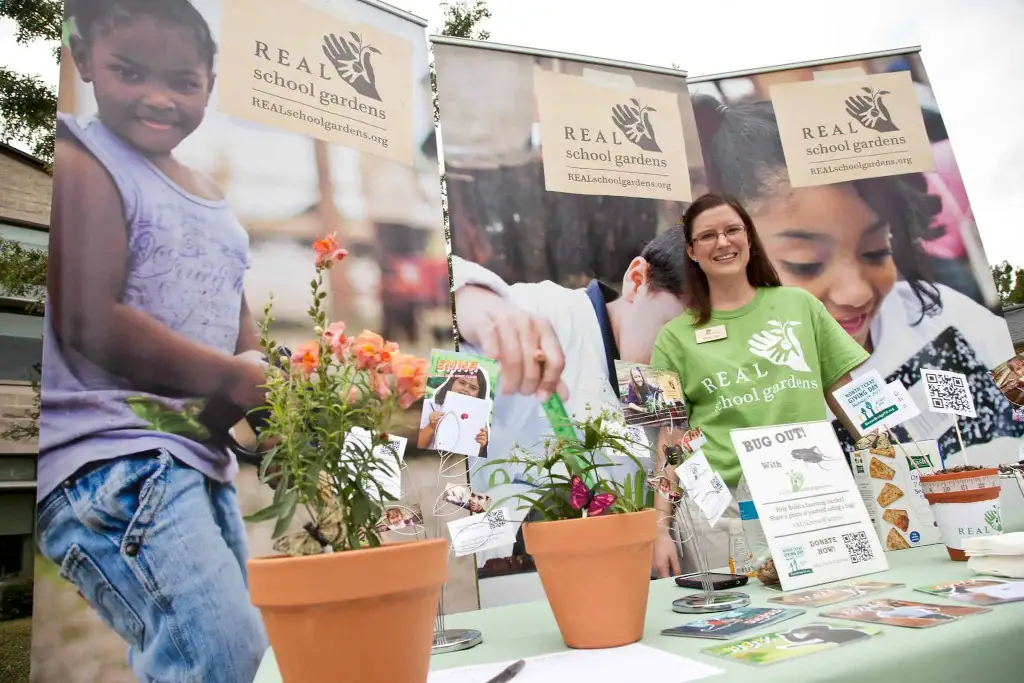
146,300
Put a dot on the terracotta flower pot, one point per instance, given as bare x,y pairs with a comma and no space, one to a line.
596,573
363,615
965,504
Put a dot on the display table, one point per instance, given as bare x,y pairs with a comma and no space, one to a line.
983,647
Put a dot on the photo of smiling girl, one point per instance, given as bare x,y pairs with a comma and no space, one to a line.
145,297
472,384
856,246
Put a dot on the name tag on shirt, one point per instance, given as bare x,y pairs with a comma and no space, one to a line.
710,334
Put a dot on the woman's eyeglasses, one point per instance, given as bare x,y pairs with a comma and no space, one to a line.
709,238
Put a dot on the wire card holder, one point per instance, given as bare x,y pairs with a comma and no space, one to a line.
690,531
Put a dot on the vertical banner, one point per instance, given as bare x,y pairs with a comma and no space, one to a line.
202,147
849,175
566,176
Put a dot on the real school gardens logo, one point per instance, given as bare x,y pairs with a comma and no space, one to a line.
319,75
864,126
603,139
632,123
757,381
296,75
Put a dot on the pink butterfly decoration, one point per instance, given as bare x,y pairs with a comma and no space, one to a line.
582,498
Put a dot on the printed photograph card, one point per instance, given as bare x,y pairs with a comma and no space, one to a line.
458,404
650,397
982,591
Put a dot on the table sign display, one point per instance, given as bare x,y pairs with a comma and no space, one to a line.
869,402
948,393
817,527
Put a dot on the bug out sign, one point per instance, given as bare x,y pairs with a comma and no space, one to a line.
817,527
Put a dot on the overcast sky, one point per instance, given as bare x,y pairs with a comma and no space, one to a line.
971,50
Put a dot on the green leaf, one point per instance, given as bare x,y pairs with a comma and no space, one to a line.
284,519
266,514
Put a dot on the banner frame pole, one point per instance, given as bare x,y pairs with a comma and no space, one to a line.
828,61
551,54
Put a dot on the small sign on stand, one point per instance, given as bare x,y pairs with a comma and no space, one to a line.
711,497
810,508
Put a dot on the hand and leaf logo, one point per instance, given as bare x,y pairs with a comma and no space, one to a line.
351,59
870,111
779,345
634,121
994,520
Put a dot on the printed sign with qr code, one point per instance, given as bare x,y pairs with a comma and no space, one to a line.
948,393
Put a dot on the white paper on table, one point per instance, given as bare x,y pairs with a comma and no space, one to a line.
630,663
948,393
391,456
464,417
476,533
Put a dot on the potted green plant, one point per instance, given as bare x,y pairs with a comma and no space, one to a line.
337,588
592,539
965,502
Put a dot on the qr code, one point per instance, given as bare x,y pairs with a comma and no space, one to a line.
496,519
717,484
858,546
948,392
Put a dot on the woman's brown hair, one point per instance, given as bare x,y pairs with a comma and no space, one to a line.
760,271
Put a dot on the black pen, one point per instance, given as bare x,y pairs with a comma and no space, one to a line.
509,673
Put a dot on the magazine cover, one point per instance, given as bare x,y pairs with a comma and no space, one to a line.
983,591
830,595
904,613
733,623
459,402
795,642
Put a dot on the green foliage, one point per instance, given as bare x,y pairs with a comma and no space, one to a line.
169,420
22,271
15,650
604,440
462,18
318,402
28,106
1009,283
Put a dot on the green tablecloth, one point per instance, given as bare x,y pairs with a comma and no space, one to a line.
980,648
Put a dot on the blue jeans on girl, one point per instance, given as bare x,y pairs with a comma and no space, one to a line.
159,550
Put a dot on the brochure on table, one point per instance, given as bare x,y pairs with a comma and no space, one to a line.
810,508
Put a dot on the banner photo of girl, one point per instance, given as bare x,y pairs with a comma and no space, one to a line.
650,397
587,274
896,258
187,190
457,408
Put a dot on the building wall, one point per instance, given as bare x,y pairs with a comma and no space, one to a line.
25,189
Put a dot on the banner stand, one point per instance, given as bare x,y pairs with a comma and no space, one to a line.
708,600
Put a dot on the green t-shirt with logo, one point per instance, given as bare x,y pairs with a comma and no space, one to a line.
781,353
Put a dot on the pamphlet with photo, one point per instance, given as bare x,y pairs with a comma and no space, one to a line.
650,397
798,641
733,623
904,613
458,404
830,595
983,591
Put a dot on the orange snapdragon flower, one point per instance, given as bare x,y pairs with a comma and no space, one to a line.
367,347
305,357
335,337
410,378
327,251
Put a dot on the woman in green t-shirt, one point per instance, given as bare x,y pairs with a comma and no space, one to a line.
750,352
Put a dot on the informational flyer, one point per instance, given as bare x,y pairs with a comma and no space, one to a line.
869,402
810,508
